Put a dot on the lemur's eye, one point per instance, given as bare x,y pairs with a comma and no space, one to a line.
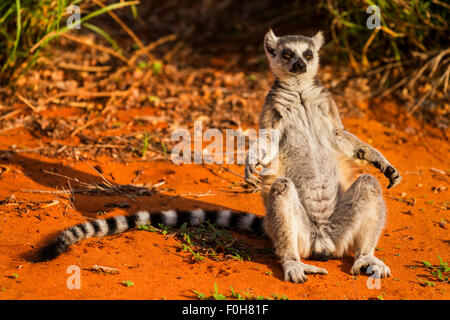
286,55
308,54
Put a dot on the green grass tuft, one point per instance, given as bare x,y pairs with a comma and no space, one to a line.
32,24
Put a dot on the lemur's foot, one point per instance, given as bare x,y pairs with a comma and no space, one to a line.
373,266
280,186
295,271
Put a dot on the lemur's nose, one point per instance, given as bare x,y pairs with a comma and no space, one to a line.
299,66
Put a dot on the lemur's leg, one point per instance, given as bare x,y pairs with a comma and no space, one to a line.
357,222
288,226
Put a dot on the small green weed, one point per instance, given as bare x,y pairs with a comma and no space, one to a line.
216,295
127,283
157,67
206,241
441,271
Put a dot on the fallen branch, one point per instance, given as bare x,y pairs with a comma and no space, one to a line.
101,190
438,171
27,103
102,269
89,123
232,172
77,67
198,195
95,46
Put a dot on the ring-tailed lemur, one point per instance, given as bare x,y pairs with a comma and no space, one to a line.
310,210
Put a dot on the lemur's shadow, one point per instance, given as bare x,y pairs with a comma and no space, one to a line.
90,205
62,178
37,170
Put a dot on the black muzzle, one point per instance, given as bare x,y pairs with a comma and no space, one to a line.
298,67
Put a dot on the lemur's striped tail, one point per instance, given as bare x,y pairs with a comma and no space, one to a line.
247,222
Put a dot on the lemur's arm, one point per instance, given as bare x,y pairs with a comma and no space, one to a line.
270,119
353,147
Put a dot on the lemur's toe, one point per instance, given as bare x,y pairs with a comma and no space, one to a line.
373,266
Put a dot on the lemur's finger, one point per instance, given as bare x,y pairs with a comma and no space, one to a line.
389,172
251,168
252,176
253,181
394,181
262,164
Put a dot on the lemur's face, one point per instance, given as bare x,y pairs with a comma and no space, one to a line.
293,56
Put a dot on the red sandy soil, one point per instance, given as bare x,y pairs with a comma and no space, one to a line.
417,226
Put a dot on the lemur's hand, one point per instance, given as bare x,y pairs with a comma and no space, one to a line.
252,176
389,172
394,177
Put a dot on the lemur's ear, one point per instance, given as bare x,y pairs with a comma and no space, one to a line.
270,42
318,40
